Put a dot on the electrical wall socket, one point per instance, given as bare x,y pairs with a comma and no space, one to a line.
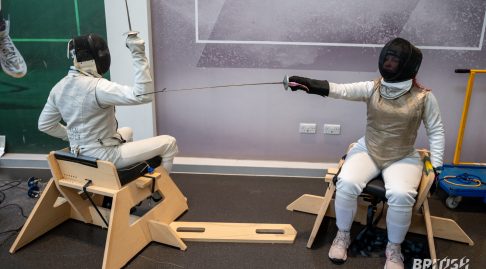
307,128
333,129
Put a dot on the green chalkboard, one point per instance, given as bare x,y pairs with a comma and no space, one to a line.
41,30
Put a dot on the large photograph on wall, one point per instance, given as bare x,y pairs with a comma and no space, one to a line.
40,30
216,42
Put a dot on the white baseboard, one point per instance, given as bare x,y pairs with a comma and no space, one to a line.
19,160
250,167
199,166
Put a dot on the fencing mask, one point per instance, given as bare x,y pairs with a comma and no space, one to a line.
399,60
90,53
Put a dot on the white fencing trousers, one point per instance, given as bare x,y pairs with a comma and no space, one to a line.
142,150
401,179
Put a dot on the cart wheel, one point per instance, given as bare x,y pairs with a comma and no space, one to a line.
453,201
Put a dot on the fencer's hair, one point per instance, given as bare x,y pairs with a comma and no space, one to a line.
419,85
410,60
90,47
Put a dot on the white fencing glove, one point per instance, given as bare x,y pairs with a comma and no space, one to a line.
136,45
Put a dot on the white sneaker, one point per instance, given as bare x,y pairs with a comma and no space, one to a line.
394,257
10,58
339,248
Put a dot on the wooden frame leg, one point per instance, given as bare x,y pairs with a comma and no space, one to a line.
174,203
165,234
442,227
428,227
322,213
78,205
307,203
122,241
449,229
127,237
45,215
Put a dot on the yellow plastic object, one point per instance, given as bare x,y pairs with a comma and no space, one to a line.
465,110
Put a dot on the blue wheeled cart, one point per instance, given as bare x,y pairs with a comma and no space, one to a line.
463,179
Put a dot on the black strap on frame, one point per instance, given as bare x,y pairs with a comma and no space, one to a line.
91,200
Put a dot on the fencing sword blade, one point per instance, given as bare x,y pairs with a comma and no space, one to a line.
285,83
226,86
128,16
163,90
130,31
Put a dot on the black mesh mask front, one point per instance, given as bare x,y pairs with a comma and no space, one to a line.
409,59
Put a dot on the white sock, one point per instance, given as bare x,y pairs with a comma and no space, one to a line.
397,223
345,206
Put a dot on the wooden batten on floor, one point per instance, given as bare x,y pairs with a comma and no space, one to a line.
235,232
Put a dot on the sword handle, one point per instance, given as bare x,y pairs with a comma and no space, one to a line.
295,84
131,33
288,84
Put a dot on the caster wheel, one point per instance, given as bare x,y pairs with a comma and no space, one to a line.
453,201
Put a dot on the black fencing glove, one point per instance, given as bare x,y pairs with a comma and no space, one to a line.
313,86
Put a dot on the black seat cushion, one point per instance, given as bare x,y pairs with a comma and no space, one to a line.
134,171
126,174
376,187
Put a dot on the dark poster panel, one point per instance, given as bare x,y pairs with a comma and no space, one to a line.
40,30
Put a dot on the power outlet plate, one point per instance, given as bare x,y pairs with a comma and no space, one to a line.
332,129
307,128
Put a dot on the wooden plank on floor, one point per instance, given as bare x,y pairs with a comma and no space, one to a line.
235,232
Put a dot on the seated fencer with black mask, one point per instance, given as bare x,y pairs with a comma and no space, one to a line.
86,102
396,106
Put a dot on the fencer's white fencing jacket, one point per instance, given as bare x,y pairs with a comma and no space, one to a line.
363,91
86,104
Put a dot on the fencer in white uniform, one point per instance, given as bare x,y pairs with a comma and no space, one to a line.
396,106
86,102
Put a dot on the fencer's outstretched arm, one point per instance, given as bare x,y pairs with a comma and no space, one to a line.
434,129
111,93
359,91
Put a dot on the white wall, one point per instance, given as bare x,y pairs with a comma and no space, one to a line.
261,123
140,118
207,43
